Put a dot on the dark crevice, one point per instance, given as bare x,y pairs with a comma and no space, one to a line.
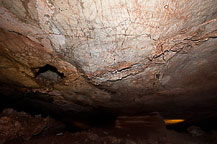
47,68
157,76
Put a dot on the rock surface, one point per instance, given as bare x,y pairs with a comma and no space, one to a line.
15,125
126,56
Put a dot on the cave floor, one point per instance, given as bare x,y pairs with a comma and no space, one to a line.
99,136
22,128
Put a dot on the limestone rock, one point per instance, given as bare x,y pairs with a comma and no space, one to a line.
126,56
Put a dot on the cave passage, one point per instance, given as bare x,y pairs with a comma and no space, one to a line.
41,104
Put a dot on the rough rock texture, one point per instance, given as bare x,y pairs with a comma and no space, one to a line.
143,55
15,124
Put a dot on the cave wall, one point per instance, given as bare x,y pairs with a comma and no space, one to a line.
130,56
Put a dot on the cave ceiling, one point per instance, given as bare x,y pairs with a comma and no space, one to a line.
129,56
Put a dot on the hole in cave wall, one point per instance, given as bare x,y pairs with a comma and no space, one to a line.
48,74
157,76
47,68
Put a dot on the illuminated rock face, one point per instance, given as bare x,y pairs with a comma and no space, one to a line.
142,54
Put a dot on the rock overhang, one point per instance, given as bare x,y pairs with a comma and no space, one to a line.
129,56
